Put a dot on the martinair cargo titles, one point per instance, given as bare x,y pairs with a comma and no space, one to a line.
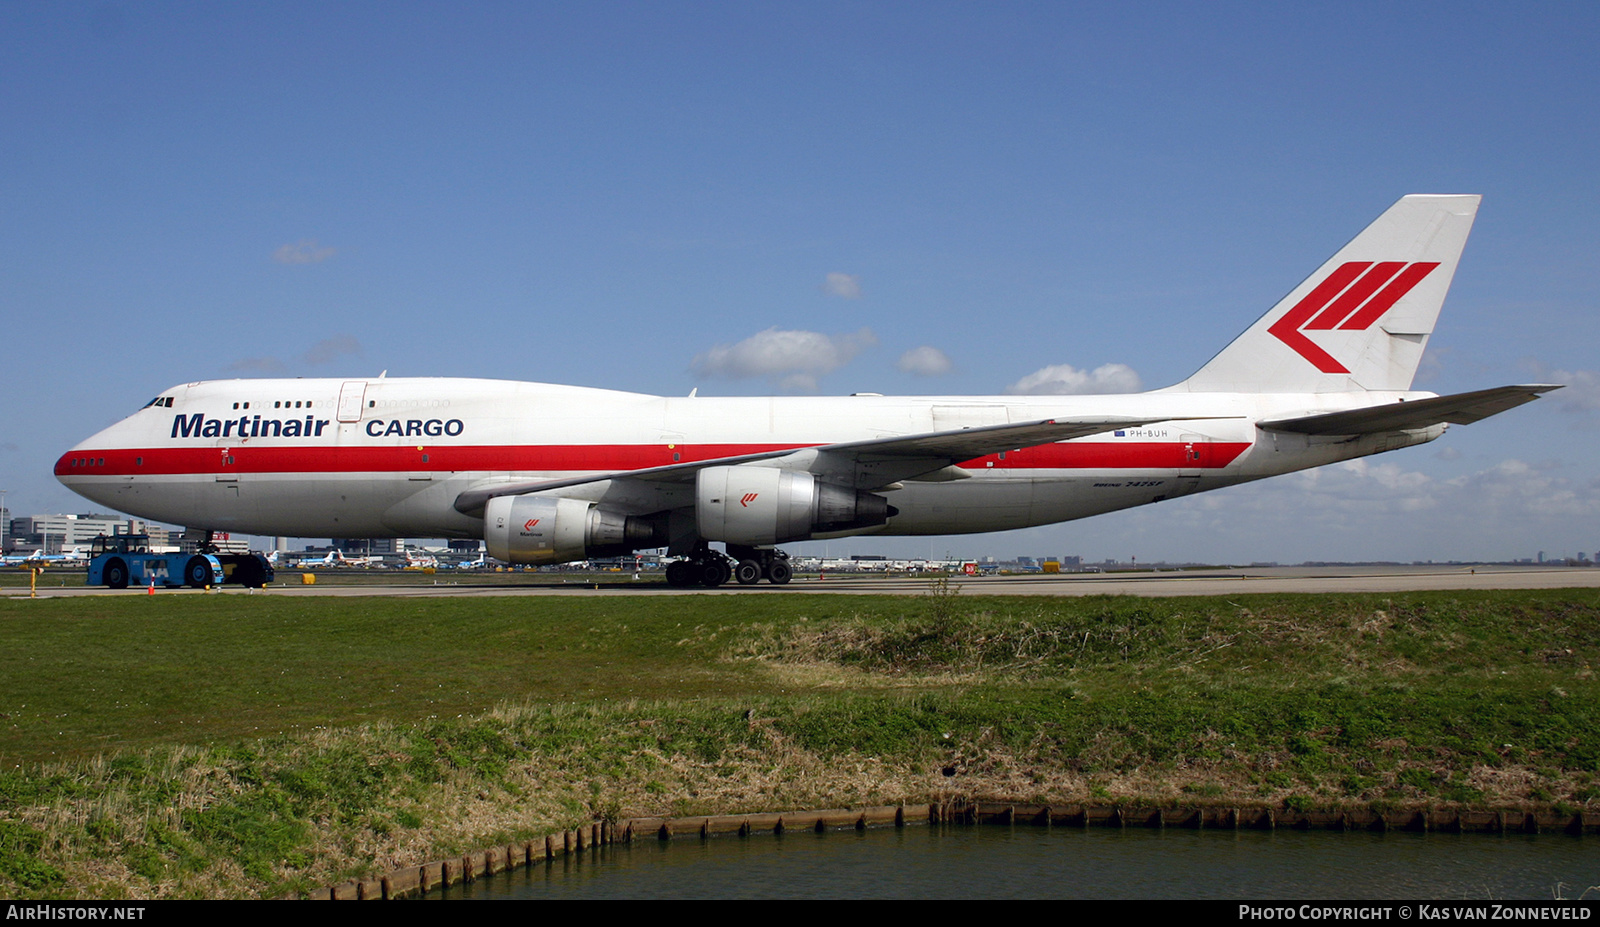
548,474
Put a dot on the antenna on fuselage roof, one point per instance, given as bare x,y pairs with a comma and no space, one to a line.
384,374
693,391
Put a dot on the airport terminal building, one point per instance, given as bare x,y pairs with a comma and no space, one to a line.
52,534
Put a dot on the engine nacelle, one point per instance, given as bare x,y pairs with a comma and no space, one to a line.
755,506
549,529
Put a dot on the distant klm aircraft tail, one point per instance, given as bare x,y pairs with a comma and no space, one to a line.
1362,320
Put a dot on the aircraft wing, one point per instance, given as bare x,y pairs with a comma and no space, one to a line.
1459,409
967,443
867,464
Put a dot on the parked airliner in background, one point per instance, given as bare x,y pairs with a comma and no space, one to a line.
482,563
549,474
336,558
37,557
419,559
75,555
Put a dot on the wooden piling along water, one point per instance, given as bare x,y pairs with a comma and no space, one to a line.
439,874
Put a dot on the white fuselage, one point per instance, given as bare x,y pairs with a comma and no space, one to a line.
389,457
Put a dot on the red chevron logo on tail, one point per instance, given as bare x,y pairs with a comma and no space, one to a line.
1353,297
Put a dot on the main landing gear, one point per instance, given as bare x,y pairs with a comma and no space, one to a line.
747,565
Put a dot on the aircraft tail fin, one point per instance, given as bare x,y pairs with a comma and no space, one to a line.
1362,320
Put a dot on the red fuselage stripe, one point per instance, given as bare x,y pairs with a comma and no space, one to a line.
590,458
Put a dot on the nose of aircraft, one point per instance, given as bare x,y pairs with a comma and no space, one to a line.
87,467
73,464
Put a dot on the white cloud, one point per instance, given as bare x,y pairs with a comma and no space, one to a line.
1532,489
1375,509
305,251
1065,379
792,359
1582,393
844,286
925,361
329,350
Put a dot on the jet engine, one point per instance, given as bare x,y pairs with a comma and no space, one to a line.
753,506
549,529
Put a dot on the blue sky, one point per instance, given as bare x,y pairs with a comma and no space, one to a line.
626,194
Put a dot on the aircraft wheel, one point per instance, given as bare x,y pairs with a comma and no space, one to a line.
714,573
198,573
680,573
748,572
116,573
780,572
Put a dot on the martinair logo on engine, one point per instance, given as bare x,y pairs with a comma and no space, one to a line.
1353,297
749,497
528,525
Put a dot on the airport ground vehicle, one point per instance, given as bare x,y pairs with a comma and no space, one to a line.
121,560
549,474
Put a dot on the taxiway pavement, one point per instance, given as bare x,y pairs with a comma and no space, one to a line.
1175,583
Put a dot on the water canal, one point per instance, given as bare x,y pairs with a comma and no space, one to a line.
966,861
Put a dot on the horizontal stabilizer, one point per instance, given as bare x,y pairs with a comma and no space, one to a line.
1460,409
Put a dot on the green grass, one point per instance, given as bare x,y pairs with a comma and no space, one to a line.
85,676
195,744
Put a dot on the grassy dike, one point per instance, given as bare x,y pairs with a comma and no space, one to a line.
244,746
